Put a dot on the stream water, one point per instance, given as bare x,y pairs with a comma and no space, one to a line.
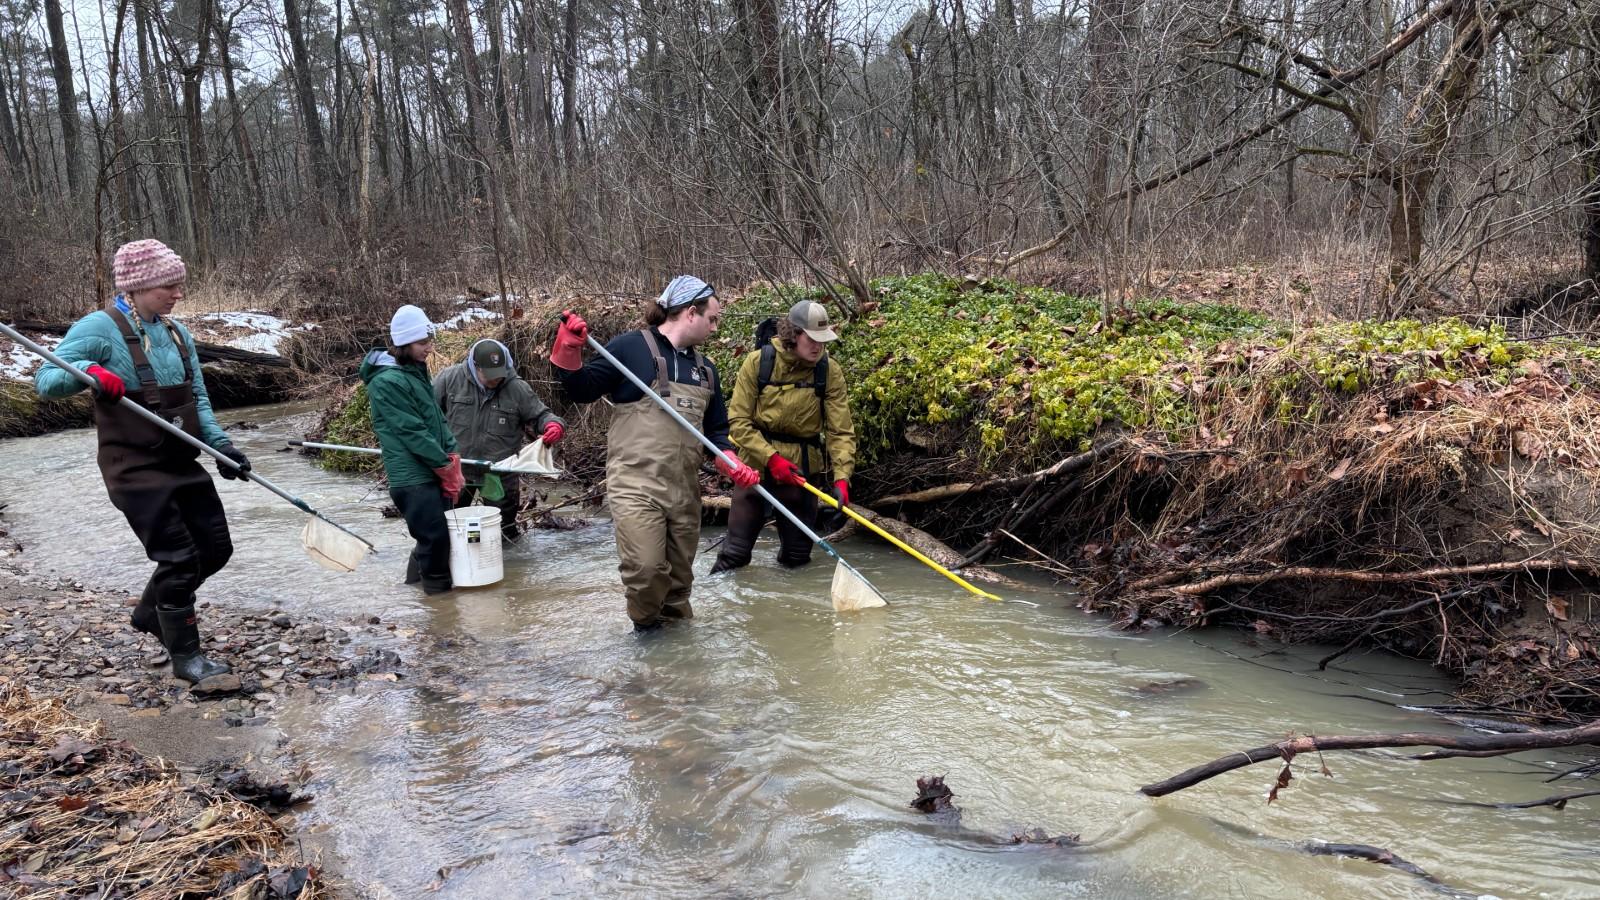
771,746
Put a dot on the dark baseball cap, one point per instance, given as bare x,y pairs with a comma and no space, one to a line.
490,359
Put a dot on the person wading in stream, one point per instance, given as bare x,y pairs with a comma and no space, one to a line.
652,463
790,416
488,408
419,452
152,477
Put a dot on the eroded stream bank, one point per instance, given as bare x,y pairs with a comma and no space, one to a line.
534,746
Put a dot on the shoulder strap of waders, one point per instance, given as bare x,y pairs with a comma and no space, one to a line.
145,372
704,367
663,383
183,349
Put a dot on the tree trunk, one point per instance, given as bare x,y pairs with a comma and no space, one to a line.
476,127
8,129
199,164
569,86
1101,106
320,170
155,121
1591,151
121,158
241,134
66,97
1035,130
497,71
1428,127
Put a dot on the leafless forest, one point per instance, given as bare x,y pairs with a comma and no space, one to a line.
1417,143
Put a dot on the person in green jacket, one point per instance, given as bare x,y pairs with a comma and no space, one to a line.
419,452
133,349
488,408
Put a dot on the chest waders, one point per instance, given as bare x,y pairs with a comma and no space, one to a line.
168,500
653,486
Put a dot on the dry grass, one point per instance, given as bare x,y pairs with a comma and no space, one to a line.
83,816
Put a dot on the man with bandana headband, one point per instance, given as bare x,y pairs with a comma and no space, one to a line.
652,463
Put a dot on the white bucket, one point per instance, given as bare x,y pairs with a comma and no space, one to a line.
474,546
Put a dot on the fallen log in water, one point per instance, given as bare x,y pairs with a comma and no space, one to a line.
1451,745
952,491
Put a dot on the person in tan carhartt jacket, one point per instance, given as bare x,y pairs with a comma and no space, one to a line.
790,418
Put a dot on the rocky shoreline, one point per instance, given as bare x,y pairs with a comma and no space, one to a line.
71,647
60,638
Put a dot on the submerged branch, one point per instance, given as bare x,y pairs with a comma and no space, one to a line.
1287,750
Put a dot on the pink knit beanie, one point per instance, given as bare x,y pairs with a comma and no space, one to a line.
147,264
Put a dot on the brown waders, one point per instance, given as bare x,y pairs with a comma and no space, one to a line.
168,500
653,486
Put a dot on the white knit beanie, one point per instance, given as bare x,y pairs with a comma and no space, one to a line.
409,325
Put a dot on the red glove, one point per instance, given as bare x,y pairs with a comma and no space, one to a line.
739,473
451,481
110,387
553,433
841,490
783,471
569,341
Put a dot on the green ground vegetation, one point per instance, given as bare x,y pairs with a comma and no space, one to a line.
1025,371
1030,369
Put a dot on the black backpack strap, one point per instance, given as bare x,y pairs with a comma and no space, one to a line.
769,358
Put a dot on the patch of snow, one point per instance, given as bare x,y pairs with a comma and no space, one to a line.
19,364
255,321
470,314
268,331
491,300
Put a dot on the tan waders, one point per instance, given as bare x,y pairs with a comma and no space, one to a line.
653,486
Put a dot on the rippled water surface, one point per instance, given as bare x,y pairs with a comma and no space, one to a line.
539,747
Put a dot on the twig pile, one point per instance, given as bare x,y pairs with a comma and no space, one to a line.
83,816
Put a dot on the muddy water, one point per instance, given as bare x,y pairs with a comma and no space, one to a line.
770,747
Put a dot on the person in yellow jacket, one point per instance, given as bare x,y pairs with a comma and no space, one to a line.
790,419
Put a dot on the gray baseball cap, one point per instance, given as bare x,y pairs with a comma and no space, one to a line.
812,318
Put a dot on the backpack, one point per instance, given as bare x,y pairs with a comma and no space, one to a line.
766,330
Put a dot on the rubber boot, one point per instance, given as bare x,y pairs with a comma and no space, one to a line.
144,616
413,570
182,637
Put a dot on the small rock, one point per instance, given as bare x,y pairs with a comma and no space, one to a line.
116,699
219,684
282,620
150,713
159,658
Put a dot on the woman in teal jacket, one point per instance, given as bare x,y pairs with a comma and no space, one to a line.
154,479
419,452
